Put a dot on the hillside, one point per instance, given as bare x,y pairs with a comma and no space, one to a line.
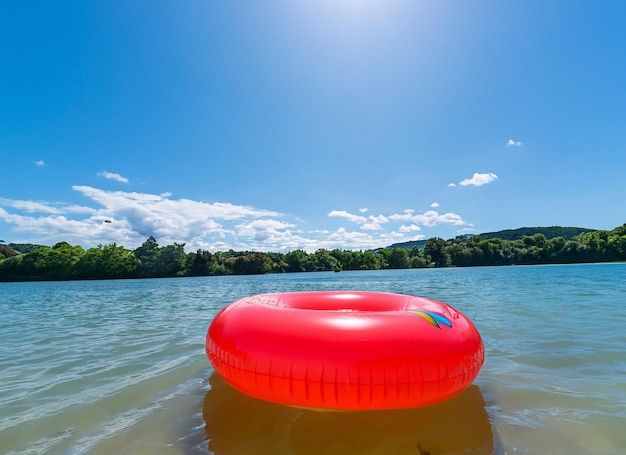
550,232
568,233
23,248
7,251
407,245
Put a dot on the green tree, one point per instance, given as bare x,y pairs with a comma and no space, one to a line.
324,261
45,263
148,254
554,249
200,263
107,262
616,243
369,260
435,248
61,259
252,264
172,260
417,260
298,261
398,259
278,262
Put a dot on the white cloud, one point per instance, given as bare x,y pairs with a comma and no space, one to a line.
434,205
513,143
410,228
44,207
479,179
51,229
264,230
343,237
451,184
370,223
112,176
364,210
429,218
40,163
162,205
374,223
30,206
135,216
349,216
214,226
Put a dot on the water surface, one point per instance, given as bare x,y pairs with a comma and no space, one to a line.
103,367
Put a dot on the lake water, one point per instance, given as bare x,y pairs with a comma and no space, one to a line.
118,367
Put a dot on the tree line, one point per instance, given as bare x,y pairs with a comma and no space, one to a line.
66,262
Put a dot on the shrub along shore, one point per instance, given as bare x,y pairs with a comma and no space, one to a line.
66,262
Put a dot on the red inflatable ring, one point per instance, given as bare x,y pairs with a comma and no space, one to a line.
345,350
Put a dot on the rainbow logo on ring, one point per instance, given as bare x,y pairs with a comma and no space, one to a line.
434,318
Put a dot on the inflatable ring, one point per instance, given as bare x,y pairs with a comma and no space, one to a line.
345,350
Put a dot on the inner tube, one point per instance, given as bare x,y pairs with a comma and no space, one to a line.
345,350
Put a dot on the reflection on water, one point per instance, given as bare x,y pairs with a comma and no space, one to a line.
118,367
237,424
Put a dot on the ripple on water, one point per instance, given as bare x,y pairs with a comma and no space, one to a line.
96,367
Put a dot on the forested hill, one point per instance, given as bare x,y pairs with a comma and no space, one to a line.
551,232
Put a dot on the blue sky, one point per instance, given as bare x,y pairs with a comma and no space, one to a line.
278,125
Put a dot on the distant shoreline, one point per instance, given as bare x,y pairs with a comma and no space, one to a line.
64,262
